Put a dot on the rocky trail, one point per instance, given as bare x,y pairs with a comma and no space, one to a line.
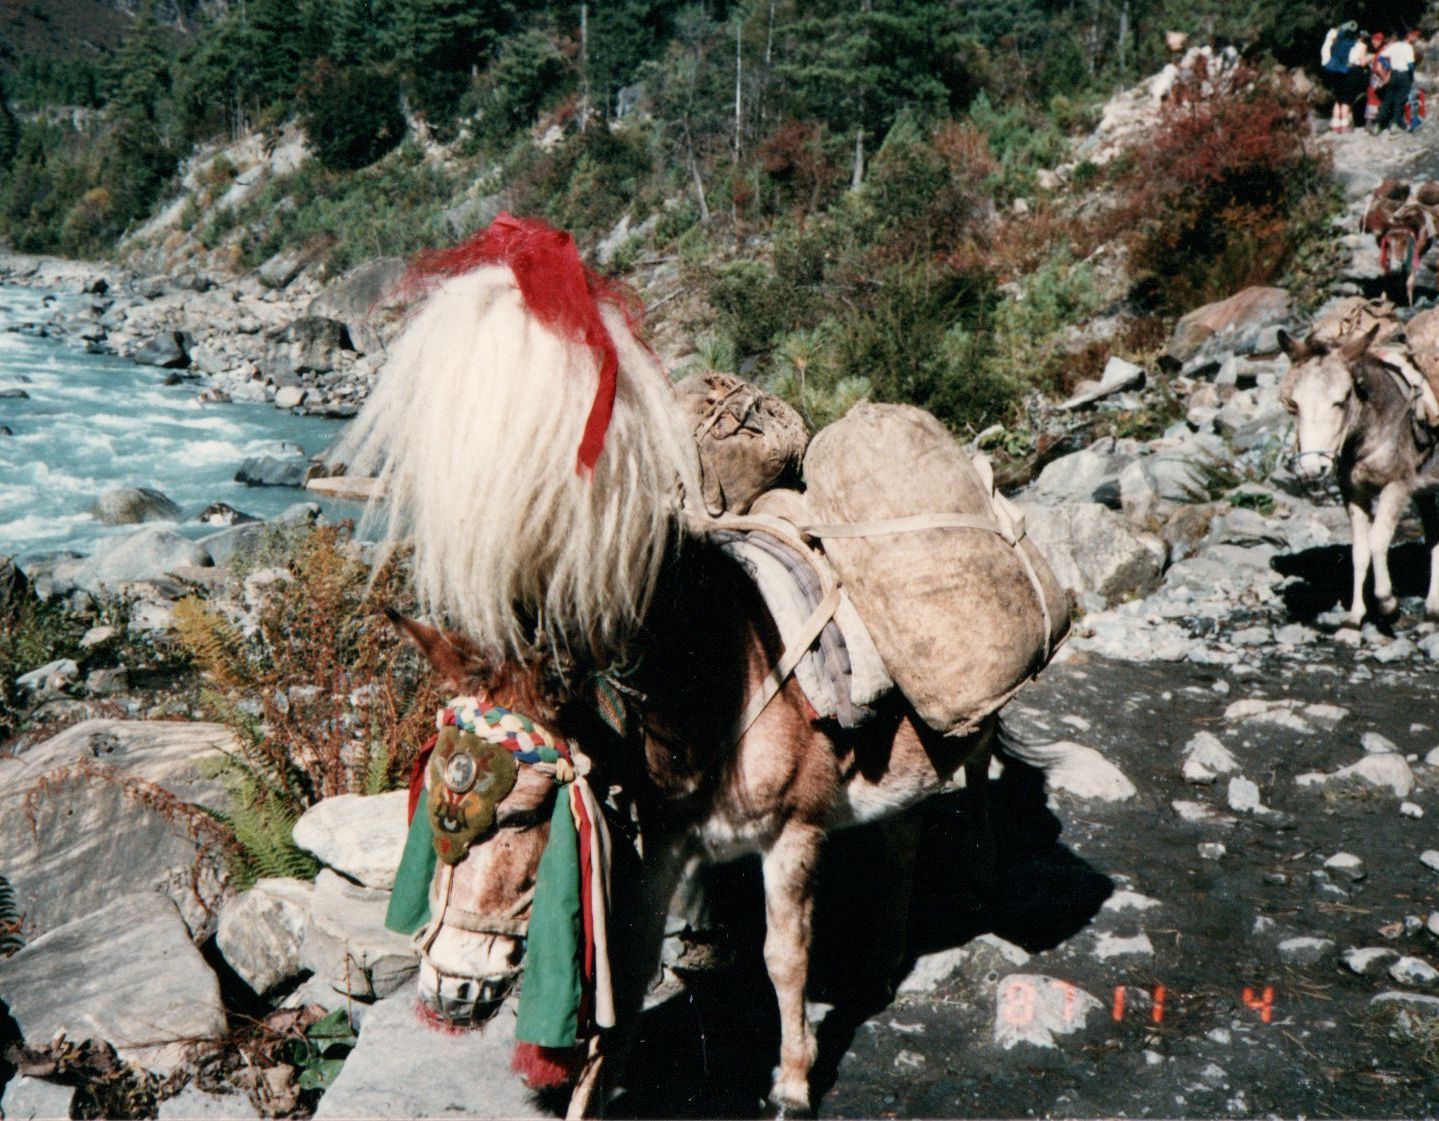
1218,888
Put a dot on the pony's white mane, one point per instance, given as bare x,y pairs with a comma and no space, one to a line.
473,429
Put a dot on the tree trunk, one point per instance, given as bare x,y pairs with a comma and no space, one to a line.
738,71
857,178
584,65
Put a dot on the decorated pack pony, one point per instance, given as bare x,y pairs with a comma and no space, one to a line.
605,654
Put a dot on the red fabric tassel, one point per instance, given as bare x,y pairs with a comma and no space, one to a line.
417,775
544,1068
558,289
587,902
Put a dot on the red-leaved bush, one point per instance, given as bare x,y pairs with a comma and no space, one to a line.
1223,193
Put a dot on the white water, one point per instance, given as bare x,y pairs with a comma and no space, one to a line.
93,422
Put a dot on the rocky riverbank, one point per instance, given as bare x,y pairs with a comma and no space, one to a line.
277,334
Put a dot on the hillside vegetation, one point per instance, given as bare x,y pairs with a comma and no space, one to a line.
855,197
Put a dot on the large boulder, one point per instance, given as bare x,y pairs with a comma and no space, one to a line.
364,300
1236,323
128,974
108,808
273,471
1089,475
359,835
346,944
142,555
130,505
168,350
311,344
1094,551
467,1074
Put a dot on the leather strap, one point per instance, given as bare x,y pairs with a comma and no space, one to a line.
775,679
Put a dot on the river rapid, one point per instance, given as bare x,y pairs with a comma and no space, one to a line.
91,422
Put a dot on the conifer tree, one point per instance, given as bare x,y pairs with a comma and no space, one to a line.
9,132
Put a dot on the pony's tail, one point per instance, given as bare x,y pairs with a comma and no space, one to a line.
545,1068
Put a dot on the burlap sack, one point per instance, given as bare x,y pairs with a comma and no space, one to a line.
1422,337
749,440
957,614
1353,316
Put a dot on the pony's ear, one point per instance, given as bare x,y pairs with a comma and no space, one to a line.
453,656
1356,347
1297,350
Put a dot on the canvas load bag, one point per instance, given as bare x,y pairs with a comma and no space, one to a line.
749,440
961,605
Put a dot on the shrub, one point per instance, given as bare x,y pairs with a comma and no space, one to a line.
1225,193
324,697
352,117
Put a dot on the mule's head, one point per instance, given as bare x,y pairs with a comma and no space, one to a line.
1324,389
490,819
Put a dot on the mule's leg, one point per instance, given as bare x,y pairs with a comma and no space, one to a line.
1359,551
789,869
1388,509
1429,514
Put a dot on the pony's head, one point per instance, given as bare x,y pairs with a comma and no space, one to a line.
528,446
520,843
1324,388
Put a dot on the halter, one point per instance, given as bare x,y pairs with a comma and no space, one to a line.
566,929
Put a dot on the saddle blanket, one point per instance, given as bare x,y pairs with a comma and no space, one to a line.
842,674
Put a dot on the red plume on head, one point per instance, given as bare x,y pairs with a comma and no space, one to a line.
560,291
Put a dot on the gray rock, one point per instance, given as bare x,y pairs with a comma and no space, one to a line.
12,394
1206,758
127,973
1092,549
1369,961
1430,859
1414,971
49,678
228,544
142,555
1375,744
1077,770
466,1074
1396,651
261,931
361,300
1243,795
1305,951
1375,770
1347,866
34,1099
281,269
361,836
290,396
1076,477
347,945
1118,375
107,682
980,963
1415,1015
167,350
130,505
1034,1009
1211,850
269,471
194,1104
82,853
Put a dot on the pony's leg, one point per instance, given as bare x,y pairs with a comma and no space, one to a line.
789,869
585,1099
1429,514
1387,511
1359,550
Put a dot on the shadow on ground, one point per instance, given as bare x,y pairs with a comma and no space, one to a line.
1327,571
886,894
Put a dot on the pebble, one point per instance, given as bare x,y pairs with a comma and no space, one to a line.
1414,971
1430,859
1396,651
1211,850
1206,758
1432,925
1348,865
1432,759
1108,946
1375,744
1347,636
1409,809
1304,950
1244,795
1126,900
1369,961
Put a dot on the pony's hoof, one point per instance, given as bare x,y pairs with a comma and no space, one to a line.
1388,607
787,1110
